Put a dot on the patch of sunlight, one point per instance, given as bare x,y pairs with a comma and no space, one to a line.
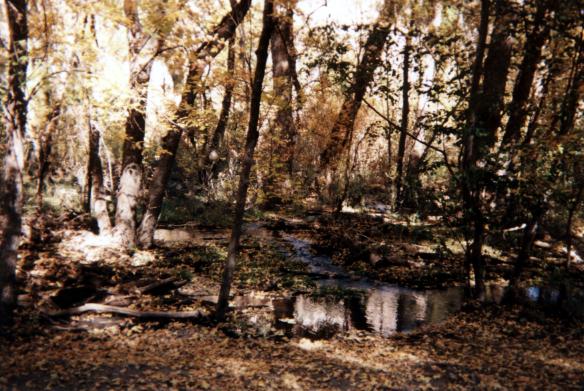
89,247
563,362
142,258
380,359
492,252
455,246
307,344
234,366
566,363
350,209
291,381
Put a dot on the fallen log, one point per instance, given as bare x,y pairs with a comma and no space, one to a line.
103,308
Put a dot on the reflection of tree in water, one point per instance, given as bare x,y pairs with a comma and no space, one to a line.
315,314
382,310
356,310
392,309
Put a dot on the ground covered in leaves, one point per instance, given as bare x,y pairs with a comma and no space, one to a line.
429,253
492,347
484,348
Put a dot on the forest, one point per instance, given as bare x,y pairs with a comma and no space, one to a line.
291,194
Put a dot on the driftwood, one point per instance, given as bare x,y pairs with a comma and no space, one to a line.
103,308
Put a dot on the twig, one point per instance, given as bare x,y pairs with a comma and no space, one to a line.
167,283
396,126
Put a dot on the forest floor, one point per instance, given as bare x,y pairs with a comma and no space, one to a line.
483,346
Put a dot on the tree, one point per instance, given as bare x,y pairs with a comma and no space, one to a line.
341,132
283,131
404,120
250,144
213,145
469,153
523,84
204,53
131,177
11,181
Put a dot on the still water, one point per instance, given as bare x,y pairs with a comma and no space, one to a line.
361,304
347,302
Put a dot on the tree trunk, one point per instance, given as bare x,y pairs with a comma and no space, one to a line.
11,186
250,143
343,127
469,150
131,178
404,124
98,201
527,240
283,130
522,89
571,213
219,133
45,147
488,118
497,66
573,96
209,49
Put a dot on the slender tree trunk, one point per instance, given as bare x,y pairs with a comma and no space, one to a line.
534,120
527,240
571,213
343,127
250,143
574,94
45,147
522,90
469,146
91,161
11,185
219,133
98,201
404,124
209,49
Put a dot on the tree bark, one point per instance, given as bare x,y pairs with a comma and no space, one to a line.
486,122
130,183
469,153
219,133
343,127
571,213
208,50
527,240
497,66
98,201
522,89
283,129
45,147
11,185
250,143
404,124
573,96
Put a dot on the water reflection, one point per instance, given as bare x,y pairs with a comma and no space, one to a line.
384,308
354,303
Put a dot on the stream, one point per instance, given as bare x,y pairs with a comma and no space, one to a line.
347,302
